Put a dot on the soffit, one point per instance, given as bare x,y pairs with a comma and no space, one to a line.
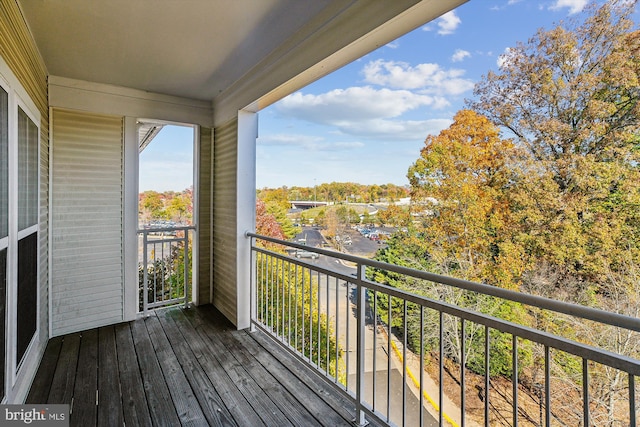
233,53
188,48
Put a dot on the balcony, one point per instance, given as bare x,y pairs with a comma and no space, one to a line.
326,350
182,367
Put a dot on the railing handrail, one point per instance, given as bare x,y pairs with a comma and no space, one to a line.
271,318
161,229
584,312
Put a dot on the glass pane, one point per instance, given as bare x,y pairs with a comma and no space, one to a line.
27,292
4,164
27,171
3,303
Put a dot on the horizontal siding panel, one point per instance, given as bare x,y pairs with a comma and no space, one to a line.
102,298
204,215
96,288
87,204
225,161
90,312
106,306
89,324
98,247
91,273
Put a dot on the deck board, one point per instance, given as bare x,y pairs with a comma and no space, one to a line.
42,382
242,412
64,378
184,400
109,400
155,386
261,403
183,367
213,408
86,383
135,410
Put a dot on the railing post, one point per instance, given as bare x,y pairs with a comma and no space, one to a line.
186,268
253,283
145,274
360,348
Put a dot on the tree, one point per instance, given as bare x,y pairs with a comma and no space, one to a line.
468,170
296,292
151,205
570,98
178,208
280,215
394,216
266,223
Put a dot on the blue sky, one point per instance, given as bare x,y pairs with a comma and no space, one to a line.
167,162
367,122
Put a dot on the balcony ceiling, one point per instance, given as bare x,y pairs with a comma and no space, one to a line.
200,49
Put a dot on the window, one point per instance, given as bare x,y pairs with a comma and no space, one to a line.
4,165
27,314
19,229
4,224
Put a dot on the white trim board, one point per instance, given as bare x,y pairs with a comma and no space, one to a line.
116,100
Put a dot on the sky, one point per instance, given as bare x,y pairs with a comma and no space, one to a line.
367,121
166,164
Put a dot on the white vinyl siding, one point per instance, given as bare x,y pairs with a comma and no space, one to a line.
87,228
204,215
225,219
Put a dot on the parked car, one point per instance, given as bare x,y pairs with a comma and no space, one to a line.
306,254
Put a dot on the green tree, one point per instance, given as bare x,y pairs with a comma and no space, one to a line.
280,215
178,209
394,216
570,97
467,169
465,176
285,293
151,205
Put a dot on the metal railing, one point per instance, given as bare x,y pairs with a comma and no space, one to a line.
164,266
447,358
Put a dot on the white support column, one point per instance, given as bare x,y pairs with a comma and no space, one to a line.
130,219
246,211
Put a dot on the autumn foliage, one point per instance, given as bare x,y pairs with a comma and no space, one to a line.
536,187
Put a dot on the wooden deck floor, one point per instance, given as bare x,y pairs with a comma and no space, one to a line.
183,367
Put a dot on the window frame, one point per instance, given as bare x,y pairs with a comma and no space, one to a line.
15,370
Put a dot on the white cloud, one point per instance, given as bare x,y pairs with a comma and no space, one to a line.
575,6
460,55
402,130
430,78
448,23
354,103
307,142
359,111
393,45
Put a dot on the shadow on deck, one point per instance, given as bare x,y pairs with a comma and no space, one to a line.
183,367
